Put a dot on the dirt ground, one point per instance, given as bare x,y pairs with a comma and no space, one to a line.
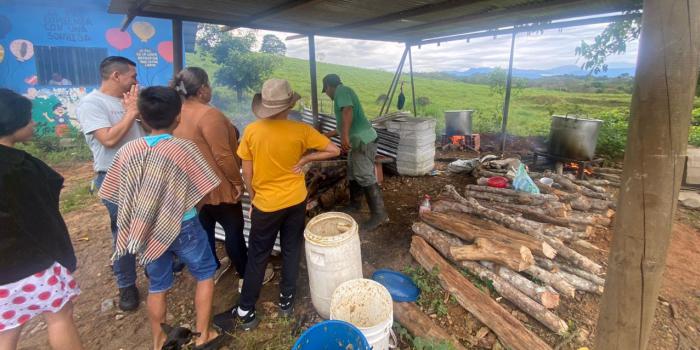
676,326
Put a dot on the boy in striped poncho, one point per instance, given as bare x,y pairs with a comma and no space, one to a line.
156,181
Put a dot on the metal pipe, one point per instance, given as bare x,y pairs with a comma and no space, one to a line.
506,103
413,87
314,87
393,83
398,77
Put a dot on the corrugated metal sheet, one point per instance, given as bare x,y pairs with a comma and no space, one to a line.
388,20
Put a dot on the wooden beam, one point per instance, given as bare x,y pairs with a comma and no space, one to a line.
314,87
178,59
285,6
131,14
665,79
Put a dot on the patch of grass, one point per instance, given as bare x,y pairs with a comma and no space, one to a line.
55,151
419,343
432,295
77,198
483,285
271,334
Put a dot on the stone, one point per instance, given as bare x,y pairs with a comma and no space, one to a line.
119,317
107,305
689,199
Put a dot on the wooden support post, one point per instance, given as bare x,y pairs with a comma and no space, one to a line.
314,87
667,71
506,103
413,87
178,59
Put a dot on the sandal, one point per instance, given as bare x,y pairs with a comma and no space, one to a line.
213,344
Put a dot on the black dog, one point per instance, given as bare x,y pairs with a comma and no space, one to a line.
176,337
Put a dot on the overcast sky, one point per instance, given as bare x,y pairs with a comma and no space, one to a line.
551,49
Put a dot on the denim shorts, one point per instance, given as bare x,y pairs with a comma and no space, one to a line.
192,247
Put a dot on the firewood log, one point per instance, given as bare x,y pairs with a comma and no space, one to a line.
588,218
599,182
517,257
609,177
590,186
471,207
523,197
510,331
442,242
557,266
587,245
416,321
557,282
544,295
539,215
543,188
476,227
516,223
564,182
613,171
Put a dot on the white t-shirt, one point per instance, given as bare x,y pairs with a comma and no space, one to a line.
97,111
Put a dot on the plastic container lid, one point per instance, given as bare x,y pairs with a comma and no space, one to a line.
498,182
400,286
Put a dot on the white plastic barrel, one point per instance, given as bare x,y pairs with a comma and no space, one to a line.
332,256
368,306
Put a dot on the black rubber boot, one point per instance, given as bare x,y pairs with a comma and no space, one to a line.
129,298
377,211
355,204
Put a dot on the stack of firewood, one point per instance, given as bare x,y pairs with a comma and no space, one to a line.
527,245
326,185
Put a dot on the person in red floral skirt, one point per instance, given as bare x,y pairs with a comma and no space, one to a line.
36,254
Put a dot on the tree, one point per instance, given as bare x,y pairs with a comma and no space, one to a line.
209,36
242,69
612,41
273,45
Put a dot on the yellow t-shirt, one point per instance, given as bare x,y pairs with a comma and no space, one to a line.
275,146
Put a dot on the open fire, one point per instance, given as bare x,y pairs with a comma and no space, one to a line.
573,166
458,140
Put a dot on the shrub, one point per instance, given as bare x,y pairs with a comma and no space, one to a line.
613,134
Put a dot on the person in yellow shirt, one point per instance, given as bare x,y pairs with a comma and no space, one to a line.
273,152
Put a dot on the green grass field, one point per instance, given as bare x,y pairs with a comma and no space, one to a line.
529,112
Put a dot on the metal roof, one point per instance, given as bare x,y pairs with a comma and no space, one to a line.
387,20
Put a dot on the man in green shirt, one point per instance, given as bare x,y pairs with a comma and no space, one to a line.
359,139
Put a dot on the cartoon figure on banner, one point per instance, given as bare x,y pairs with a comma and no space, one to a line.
52,110
60,119
118,39
143,30
22,49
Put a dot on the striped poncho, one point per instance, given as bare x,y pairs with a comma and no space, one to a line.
154,187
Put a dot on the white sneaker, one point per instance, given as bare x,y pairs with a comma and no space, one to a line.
269,275
225,266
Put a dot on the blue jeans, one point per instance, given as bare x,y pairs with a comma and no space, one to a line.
192,247
124,268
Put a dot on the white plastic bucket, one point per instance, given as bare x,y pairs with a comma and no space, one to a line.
367,305
332,256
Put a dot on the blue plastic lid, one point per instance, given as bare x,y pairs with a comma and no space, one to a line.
400,286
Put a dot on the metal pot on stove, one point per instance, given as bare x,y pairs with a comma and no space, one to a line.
573,137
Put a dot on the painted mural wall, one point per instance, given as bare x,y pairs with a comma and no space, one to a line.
50,51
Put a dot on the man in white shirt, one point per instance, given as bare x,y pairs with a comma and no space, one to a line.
108,117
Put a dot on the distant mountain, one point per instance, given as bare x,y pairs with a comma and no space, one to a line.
543,73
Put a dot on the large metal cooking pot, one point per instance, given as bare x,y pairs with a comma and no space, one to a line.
458,122
573,138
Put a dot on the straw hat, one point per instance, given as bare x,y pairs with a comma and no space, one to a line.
276,96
